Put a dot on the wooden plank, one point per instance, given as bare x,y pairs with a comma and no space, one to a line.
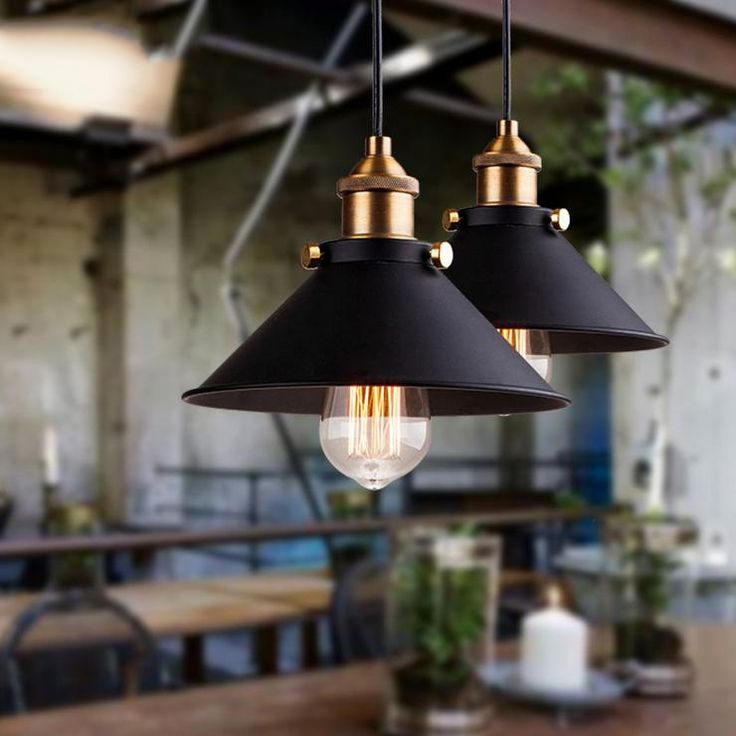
309,593
45,546
657,38
179,608
349,702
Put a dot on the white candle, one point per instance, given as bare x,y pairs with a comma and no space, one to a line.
554,649
50,457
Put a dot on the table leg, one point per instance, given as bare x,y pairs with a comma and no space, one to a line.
310,643
193,664
266,640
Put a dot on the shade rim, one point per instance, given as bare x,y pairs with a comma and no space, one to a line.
549,400
654,339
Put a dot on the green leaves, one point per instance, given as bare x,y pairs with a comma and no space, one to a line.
441,611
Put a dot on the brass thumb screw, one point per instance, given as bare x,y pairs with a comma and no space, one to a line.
442,255
450,220
560,220
311,254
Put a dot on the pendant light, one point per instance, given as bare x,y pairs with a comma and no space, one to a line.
512,262
377,340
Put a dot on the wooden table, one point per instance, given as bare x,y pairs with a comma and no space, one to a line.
310,594
190,610
347,702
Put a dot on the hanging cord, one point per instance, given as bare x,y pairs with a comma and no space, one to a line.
506,54
377,88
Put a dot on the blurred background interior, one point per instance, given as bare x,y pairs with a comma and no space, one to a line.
162,162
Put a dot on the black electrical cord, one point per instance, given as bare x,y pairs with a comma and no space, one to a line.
377,89
506,54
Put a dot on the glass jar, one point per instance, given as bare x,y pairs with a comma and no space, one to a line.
74,570
648,596
442,618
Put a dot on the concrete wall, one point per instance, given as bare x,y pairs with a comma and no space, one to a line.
47,336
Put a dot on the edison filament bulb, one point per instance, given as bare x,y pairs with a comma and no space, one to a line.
375,434
533,346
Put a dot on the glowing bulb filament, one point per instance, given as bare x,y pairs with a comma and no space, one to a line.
374,419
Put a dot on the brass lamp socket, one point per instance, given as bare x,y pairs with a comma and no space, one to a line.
507,169
378,195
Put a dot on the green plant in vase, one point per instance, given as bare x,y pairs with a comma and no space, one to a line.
649,555
441,609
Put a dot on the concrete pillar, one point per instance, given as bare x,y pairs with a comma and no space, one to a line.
139,352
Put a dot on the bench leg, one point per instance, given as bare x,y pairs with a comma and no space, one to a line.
266,640
194,660
310,643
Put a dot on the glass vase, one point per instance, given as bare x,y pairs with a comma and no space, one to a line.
442,617
648,597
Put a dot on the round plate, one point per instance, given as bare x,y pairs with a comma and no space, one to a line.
601,690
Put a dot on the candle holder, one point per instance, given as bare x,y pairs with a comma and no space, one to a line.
647,599
74,570
442,619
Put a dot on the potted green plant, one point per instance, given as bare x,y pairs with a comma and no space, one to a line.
442,620
649,646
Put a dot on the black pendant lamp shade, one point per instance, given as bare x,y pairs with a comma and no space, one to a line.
521,272
512,262
376,311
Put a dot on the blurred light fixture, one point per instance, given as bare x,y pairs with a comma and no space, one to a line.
377,339
514,265
61,75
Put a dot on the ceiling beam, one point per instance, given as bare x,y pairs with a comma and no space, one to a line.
442,54
654,38
148,7
305,67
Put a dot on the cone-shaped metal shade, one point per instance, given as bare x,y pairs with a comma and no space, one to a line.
519,272
376,312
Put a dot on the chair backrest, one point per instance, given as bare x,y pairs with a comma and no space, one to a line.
357,614
74,647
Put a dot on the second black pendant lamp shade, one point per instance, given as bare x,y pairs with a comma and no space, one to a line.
513,263
377,339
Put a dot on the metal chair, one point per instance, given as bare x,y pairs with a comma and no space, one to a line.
357,613
113,661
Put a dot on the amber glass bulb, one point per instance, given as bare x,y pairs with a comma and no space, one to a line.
375,434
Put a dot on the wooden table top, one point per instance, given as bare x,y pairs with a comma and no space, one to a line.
347,702
167,608
310,592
